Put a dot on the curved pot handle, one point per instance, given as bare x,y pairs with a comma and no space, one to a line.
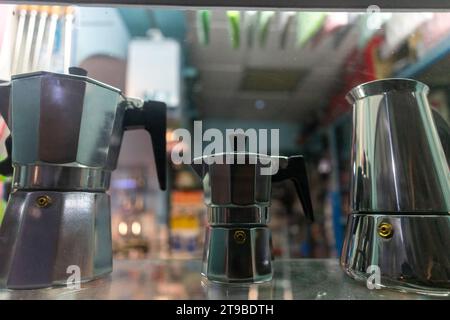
151,116
295,170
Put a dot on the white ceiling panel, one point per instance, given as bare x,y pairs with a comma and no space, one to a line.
222,68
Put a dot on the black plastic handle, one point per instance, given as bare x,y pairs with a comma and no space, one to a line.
151,117
296,171
6,168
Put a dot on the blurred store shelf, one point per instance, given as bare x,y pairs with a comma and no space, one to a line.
439,53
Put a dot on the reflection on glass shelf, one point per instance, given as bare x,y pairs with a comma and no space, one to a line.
135,231
296,279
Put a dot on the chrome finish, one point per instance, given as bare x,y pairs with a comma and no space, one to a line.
61,178
237,188
237,255
236,194
227,182
248,215
82,76
400,192
65,120
66,135
398,163
443,129
415,258
39,243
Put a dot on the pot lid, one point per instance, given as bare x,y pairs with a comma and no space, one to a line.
75,73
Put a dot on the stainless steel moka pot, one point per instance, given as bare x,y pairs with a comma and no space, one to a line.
398,232
66,134
237,195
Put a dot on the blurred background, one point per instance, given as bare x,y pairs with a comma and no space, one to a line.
286,70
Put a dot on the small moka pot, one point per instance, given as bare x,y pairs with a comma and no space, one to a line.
399,226
237,188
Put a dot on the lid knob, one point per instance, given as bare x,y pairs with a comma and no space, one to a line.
77,71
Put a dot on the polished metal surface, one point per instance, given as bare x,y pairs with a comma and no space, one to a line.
75,73
237,240
244,180
237,254
400,189
47,177
75,121
398,163
235,182
218,215
237,188
65,120
173,279
413,256
66,134
443,129
43,233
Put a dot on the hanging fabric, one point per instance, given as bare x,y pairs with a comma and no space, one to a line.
286,20
251,23
234,21
265,20
203,26
308,25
